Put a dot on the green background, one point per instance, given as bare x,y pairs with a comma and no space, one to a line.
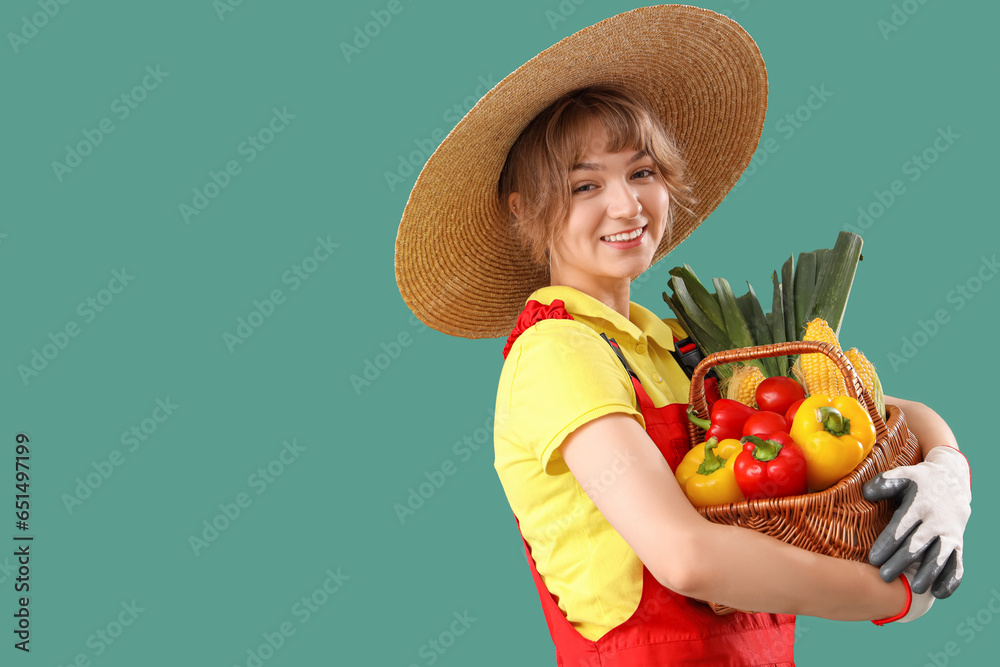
365,448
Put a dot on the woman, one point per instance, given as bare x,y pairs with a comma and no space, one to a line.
532,217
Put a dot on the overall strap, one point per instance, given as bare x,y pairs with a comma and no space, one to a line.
688,355
614,346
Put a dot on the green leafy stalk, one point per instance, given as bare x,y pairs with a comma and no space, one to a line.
759,329
777,322
792,328
823,262
736,326
701,338
707,302
696,314
805,284
746,310
834,286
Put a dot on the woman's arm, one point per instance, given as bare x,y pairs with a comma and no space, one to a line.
929,428
692,556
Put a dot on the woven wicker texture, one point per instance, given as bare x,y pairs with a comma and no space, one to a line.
838,521
459,266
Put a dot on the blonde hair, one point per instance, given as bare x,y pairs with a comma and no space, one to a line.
539,162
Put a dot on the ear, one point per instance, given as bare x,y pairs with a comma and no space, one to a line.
514,202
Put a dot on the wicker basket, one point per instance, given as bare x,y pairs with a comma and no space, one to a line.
838,521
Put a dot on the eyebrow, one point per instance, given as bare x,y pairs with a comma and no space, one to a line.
594,166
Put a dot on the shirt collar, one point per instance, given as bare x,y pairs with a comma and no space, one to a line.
641,320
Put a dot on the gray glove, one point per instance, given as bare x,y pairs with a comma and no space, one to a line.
935,504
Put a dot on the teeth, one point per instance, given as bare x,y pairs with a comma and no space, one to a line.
623,237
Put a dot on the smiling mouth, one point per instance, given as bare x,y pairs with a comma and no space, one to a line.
625,236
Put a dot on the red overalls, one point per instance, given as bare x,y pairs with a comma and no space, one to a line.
666,628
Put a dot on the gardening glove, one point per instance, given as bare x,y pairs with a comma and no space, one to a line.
927,529
917,604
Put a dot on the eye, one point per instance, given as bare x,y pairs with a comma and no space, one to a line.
583,187
645,172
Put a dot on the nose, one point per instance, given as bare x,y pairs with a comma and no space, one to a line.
623,202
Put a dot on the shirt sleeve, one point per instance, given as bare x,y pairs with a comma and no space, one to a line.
562,375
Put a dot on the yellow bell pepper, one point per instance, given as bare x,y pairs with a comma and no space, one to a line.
706,473
835,434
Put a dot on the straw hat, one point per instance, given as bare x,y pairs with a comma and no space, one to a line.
459,264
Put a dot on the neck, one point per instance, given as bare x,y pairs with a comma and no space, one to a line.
612,292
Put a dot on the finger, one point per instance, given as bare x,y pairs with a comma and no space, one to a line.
880,487
900,559
887,543
929,568
948,580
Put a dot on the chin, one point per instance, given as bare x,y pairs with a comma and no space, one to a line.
630,272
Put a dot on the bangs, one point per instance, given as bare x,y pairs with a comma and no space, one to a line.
624,128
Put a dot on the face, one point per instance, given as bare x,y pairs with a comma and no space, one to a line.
617,217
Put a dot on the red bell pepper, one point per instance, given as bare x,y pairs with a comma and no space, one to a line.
764,423
727,419
770,468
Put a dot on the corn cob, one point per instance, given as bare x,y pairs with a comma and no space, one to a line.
821,375
742,386
869,378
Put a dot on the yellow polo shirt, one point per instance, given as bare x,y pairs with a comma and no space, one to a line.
559,375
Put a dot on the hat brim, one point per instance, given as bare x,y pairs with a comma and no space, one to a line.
459,266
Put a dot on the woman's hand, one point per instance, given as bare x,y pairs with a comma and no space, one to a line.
935,503
686,553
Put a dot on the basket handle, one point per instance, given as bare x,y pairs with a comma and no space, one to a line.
855,388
